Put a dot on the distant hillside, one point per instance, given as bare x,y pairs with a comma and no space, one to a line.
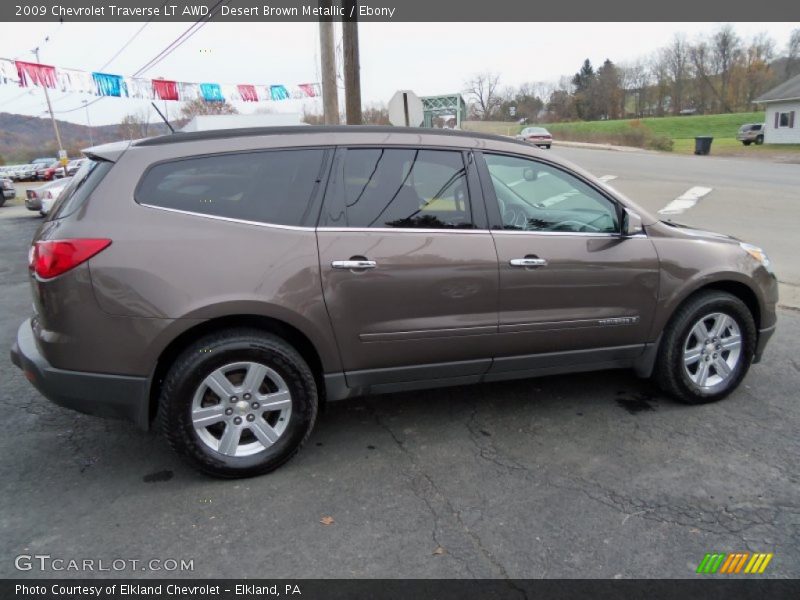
24,138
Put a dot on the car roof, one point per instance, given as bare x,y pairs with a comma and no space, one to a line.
216,134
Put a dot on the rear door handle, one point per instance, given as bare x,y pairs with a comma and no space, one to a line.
354,264
528,262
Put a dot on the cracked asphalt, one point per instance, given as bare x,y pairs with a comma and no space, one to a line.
592,475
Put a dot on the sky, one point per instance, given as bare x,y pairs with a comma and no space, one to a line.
428,58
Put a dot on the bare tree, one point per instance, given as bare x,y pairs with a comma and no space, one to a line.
134,126
726,51
483,90
758,75
793,54
676,57
660,73
201,107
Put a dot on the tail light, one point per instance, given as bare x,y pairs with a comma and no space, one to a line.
54,257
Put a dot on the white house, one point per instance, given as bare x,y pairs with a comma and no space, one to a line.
783,113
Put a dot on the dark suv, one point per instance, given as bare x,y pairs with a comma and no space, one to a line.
226,283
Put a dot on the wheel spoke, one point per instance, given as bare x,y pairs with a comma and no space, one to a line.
691,356
264,432
255,377
220,385
700,332
203,417
276,401
702,374
722,368
731,342
229,441
720,325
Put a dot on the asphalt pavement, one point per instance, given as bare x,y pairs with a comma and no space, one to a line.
591,475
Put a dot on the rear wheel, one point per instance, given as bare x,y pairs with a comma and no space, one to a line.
746,142
707,348
238,403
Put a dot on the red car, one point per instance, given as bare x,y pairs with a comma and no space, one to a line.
48,172
538,136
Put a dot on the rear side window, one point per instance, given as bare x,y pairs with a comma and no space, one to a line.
274,186
80,187
419,189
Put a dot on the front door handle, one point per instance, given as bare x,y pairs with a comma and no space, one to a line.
528,261
354,264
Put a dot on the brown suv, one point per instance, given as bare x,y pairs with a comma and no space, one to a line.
227,283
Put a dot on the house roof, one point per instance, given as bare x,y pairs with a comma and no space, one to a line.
788,90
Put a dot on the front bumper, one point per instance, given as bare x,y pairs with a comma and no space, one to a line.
9,194
116,396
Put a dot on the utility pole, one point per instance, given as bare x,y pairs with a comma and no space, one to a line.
50,107
88,122
352,65
330,92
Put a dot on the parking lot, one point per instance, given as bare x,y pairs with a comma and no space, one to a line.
590,475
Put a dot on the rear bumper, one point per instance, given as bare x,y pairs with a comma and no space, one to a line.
116,396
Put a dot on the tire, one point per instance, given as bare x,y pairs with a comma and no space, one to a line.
2,201
746,142
548,147
759,140
261,441
682,379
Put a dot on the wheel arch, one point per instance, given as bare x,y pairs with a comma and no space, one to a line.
292,335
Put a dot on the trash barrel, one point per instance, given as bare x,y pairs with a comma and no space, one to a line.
702,144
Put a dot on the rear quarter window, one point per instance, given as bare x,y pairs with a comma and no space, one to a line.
83,183
274,187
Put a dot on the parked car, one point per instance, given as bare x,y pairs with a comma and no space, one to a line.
48,172
9,192
750,133
74,165
41,198
538,136
23,173
342,261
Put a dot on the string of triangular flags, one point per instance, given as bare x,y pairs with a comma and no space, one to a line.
28,74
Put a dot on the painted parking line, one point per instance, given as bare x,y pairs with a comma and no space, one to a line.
607,178
685,201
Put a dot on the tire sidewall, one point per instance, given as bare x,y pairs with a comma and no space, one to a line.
300,385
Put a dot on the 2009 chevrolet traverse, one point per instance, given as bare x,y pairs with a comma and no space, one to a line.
225,283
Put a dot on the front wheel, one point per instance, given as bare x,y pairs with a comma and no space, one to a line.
238,403
746,142
707,348
760,140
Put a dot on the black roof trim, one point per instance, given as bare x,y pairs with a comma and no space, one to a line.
217,134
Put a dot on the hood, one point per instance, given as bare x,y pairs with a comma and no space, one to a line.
673,229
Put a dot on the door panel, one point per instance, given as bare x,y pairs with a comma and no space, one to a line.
568,280
593,292
426,288
431,298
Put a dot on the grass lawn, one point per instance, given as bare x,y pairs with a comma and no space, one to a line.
677,128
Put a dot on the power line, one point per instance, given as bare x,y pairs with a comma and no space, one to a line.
181,39
126,44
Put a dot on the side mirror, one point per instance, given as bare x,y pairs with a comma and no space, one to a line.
530,174
631,223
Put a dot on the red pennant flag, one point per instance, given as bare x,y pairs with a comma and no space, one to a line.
36,74
165,90
248,93
309,89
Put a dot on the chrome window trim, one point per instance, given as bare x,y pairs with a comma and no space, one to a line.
388,229
228,219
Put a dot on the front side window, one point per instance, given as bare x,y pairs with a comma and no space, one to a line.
274,187
406,188
534,196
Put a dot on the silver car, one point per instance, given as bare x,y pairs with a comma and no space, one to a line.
750,133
